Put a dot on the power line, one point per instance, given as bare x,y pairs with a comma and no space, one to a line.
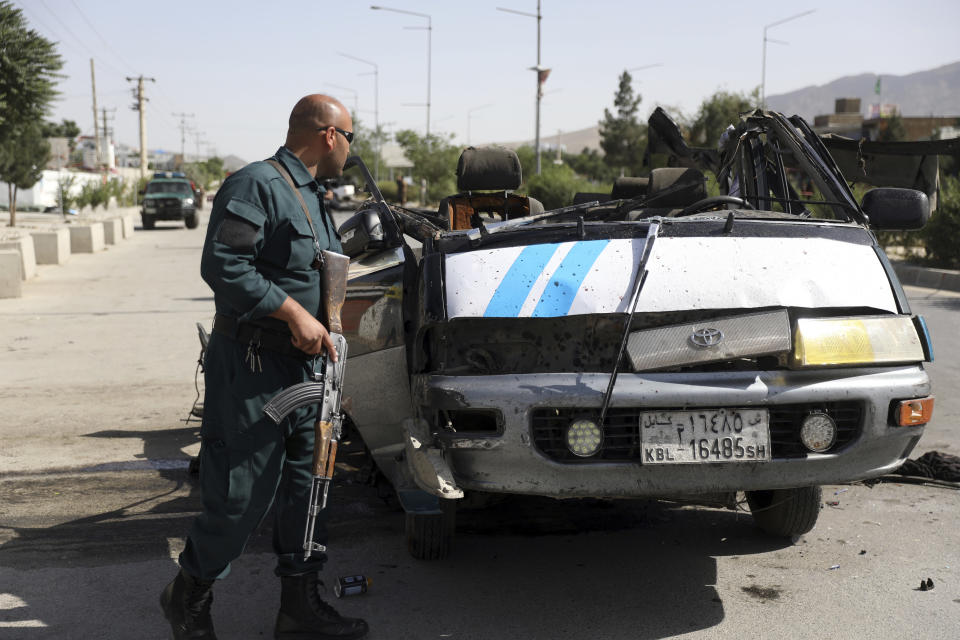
102,39
77,38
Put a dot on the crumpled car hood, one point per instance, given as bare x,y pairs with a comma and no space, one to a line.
685,273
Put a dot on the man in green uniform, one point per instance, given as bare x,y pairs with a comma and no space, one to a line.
261,260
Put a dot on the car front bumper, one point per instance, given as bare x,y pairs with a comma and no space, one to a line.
511,460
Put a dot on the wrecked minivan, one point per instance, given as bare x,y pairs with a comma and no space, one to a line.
726,324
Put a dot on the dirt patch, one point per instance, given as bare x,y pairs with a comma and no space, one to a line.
762,593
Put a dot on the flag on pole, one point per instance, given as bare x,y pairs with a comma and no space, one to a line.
876,89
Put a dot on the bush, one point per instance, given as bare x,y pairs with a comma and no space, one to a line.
942,233
556,185
389,190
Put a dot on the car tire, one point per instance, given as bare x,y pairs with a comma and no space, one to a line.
430,536
785,512
148,222
192,221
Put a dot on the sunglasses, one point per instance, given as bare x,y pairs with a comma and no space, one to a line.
346,134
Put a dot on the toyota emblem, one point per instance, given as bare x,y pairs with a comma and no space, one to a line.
706,338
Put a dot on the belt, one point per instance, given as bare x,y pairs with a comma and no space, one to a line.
247,332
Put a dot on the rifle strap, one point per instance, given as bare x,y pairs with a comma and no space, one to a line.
282,170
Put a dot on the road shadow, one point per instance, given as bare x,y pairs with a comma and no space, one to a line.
525,567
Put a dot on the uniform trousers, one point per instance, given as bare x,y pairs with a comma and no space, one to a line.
247,462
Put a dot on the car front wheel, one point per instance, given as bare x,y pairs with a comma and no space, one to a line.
148,222
191,221
785,512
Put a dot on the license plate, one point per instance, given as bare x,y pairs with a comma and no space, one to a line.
711,435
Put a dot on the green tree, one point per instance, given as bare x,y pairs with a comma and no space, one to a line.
892,129
941,233
22,162
206,174
556,185
29,66
622,136
66,129
434,159
718,112
590,164
367,143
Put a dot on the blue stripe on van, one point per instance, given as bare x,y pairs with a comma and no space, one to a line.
558,297
516,285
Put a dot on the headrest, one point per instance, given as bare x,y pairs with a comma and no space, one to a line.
679,187
488,169
625,188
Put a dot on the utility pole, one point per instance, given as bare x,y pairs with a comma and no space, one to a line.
96,130
542,74
198,138
141,106
106,135
183,132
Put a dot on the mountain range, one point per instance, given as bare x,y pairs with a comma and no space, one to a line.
935,92
924,93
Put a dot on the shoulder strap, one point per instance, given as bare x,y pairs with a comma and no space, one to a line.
282,170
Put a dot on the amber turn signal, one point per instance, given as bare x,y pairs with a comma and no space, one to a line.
911,413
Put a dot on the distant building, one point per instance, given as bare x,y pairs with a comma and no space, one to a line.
848,121
916,127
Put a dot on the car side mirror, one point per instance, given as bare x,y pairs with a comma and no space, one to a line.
362,233
896,209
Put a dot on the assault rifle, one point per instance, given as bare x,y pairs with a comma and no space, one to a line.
324,389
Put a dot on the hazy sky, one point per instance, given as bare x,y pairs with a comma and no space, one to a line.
239,66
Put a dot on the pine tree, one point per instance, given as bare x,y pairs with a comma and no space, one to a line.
622,136
29,66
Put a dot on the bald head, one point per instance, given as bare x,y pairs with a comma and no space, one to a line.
312,138
314,111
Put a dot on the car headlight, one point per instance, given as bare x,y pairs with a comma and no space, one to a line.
188,201
584,437
821,342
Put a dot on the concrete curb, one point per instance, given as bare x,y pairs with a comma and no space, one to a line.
911,274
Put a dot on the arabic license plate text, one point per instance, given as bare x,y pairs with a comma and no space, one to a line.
707,435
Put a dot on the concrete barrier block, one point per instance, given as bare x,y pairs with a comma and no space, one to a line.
112,230
11,281
28,257
51,247
128,222
86,238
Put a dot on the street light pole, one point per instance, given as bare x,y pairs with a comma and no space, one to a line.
763,77
539,71
356,104
376,108
429,29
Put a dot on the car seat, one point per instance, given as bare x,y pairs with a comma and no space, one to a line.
495,172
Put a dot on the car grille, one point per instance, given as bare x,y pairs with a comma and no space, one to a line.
621,433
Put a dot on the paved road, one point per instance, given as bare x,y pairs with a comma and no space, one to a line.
96,377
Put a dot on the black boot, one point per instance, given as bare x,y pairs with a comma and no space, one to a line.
186,605
304,616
